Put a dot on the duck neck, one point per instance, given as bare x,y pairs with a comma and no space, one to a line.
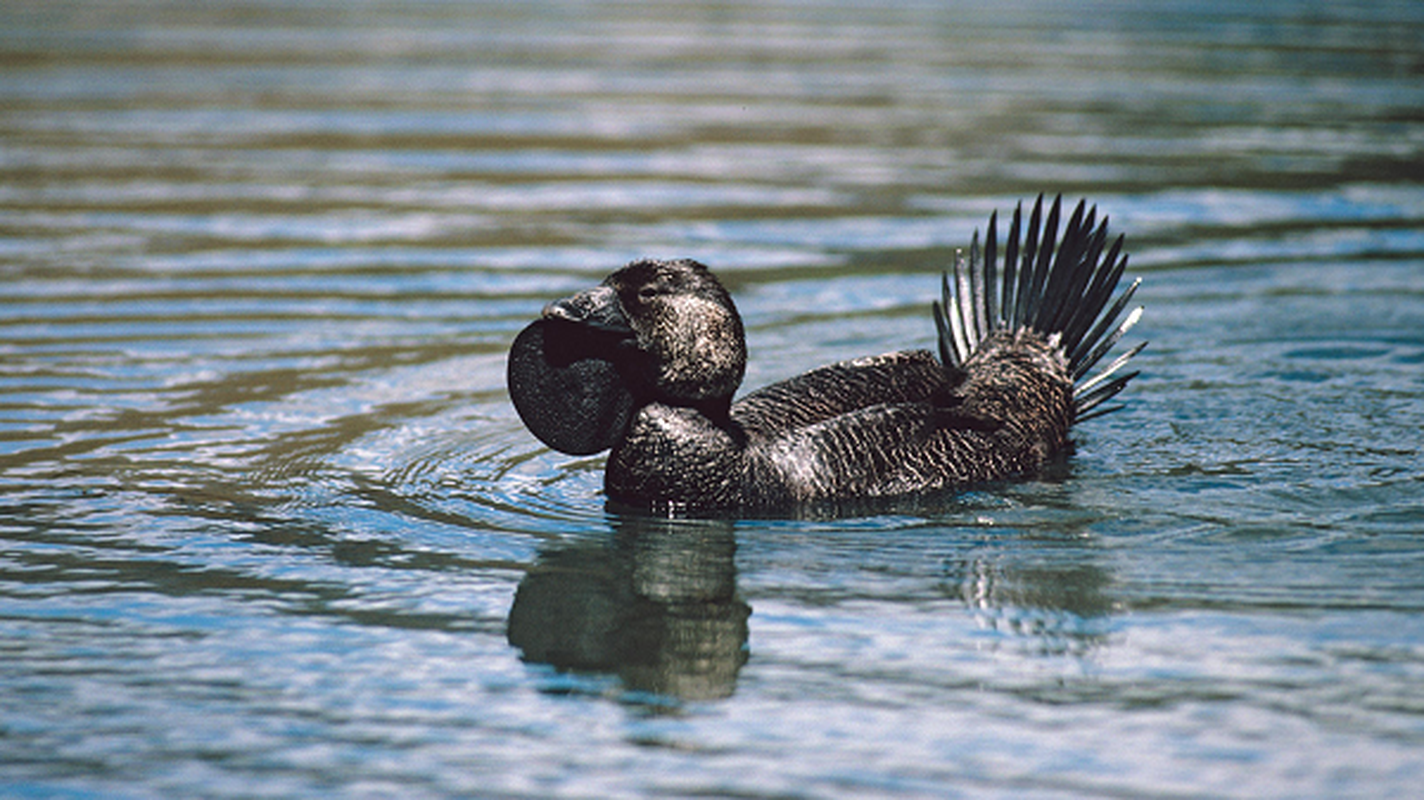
718,411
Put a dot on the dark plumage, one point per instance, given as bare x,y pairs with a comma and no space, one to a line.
647,363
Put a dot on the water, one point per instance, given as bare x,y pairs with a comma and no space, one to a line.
271,528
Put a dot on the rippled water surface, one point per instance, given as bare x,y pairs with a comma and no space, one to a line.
269,526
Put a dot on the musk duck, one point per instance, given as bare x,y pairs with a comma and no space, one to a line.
647,362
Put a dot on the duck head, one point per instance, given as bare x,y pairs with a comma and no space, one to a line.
653,332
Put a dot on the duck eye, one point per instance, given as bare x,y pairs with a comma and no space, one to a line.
647,292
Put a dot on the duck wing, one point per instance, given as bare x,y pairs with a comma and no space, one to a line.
882,450
836,390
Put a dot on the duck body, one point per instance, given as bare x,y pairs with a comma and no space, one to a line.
811,440
646,364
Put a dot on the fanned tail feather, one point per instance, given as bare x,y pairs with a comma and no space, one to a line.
1055,286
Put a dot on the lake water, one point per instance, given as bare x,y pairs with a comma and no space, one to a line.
269,526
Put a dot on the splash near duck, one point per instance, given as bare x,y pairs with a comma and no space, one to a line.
646,364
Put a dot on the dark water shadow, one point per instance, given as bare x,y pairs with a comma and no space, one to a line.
654,602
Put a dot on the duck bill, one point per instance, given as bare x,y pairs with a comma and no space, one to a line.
563,374
597,309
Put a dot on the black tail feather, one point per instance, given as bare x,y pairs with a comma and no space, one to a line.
1011,261
1055,286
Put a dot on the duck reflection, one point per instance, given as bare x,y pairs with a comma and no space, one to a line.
1060,603
655,604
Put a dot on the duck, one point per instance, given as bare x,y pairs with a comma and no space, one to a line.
647,363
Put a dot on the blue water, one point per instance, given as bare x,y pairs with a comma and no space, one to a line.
269,526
